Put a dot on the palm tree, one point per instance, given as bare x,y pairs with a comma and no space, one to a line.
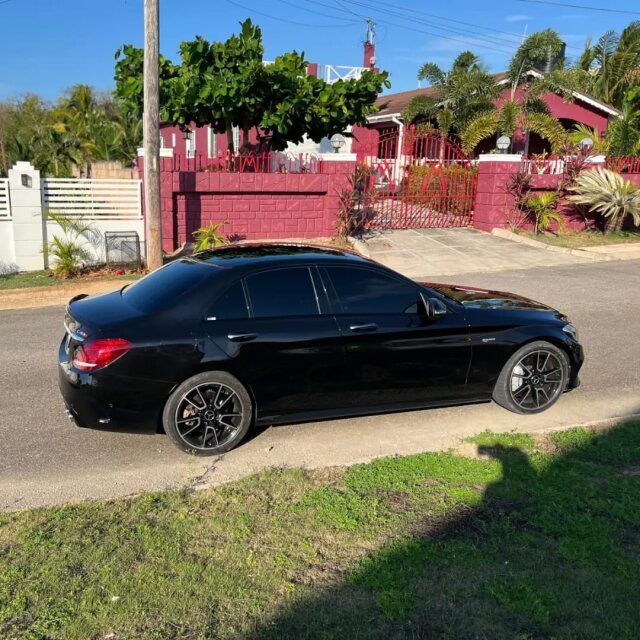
460,94
78,112
508,118
623,135
608,69
525,108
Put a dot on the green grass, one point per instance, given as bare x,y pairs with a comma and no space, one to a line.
518,543
29,279
580,239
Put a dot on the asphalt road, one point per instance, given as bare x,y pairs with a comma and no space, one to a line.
44,459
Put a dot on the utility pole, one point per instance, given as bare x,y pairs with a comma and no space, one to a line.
151,126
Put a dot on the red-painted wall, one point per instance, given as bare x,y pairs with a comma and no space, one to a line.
495,206
257,205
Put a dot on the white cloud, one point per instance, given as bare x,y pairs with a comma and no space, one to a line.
518,18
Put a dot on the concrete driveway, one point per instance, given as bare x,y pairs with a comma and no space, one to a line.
45,460
419,252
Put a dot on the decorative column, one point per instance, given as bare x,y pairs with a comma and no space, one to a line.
29,227
493,201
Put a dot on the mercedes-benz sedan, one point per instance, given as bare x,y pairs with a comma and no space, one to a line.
210,345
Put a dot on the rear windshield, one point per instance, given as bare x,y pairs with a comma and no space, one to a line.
167,285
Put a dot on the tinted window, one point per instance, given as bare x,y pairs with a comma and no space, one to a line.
364,291
283,292
229,305
167,285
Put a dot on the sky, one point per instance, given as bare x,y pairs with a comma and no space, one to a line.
49,45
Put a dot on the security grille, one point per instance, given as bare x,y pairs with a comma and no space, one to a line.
122,249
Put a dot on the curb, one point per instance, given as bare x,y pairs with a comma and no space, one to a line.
514,237
599,253
35,297
360,246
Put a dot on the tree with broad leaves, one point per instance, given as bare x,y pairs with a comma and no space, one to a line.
227,85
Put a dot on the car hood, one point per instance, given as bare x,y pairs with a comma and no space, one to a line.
473,297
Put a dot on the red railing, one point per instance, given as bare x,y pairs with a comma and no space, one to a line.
419,179
623,164
549,165
235,162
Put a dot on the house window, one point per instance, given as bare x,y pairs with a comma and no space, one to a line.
190,143
173,140
236,138
213,143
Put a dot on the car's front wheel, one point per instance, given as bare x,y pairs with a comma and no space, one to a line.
533,378
208,414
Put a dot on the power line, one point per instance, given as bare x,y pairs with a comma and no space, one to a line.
413,12
507,48
353,13
582,6
318,13
298,24
458,31
514,41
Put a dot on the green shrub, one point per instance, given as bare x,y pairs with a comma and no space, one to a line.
442,188
208,237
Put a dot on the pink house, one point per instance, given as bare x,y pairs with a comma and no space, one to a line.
583,109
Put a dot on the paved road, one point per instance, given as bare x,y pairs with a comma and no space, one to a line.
46,460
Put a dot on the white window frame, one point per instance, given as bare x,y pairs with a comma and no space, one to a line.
212,143
236,138
190,144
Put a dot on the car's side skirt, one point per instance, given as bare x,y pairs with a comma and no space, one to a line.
312,416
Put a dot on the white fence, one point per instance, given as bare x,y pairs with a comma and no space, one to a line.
93,199
26,198
5,204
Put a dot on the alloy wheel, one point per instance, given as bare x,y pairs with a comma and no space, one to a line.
536,380
208,415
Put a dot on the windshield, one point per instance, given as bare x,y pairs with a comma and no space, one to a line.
167,285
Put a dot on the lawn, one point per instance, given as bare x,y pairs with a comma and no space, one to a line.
522,537
27,279
581,239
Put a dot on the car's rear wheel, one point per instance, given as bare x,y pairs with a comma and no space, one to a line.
208,414
533,378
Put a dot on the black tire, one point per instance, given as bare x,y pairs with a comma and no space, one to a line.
196,415
533,378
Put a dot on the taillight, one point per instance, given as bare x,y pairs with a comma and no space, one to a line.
99,353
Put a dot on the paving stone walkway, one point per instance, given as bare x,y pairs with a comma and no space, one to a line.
427,252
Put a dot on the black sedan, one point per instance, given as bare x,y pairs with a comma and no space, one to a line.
210,345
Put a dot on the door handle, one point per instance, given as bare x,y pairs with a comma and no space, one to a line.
363,328
242,337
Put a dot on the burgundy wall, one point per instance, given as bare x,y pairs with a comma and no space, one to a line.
257,205
495,205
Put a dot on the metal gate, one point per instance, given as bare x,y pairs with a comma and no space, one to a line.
414,178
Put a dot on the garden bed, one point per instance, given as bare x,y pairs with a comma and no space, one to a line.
28,279
582,239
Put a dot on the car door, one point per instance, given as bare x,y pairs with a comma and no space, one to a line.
395,353
281,341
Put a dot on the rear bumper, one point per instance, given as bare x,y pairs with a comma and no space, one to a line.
103,399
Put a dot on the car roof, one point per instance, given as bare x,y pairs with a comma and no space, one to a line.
268,254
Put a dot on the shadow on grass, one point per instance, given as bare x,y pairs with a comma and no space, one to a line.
550,549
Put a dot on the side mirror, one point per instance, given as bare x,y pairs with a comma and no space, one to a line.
434,308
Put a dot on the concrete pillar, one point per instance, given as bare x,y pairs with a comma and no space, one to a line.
493,201
28,226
